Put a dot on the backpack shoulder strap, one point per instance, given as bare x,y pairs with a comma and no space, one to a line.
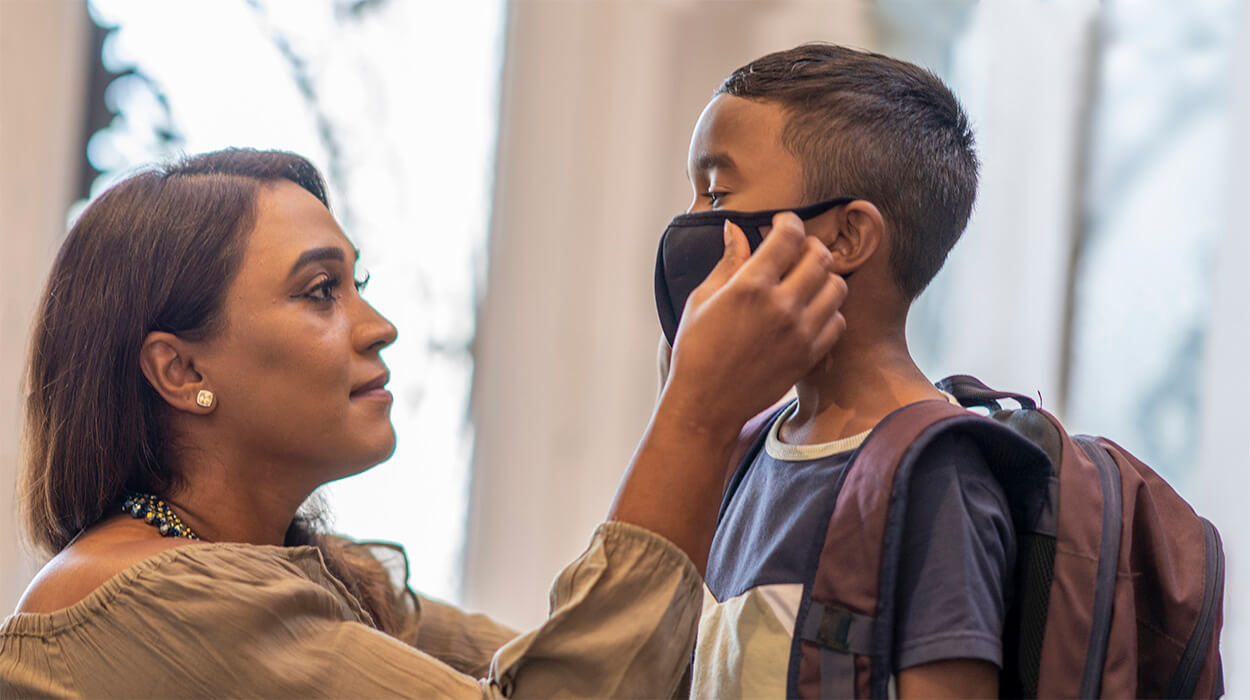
750,442
859,559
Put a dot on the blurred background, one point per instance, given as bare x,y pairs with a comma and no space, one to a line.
507,168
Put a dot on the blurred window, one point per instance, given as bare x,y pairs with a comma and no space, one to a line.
1103,130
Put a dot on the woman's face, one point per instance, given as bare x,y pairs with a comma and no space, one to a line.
296,370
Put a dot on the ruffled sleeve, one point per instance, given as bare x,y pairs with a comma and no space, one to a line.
465,641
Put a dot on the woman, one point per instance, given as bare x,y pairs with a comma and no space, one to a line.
203,361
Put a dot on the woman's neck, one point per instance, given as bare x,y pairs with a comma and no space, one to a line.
222,502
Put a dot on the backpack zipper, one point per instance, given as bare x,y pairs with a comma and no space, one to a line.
1189,668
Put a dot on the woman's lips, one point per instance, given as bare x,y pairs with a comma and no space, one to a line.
375,390
378,394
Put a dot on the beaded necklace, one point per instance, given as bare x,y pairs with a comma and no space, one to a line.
155,512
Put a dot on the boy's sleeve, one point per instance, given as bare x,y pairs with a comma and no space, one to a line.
958,554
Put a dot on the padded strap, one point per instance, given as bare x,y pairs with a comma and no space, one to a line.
866,526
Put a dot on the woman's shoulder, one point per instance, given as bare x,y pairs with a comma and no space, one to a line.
122,560
222,619
90,561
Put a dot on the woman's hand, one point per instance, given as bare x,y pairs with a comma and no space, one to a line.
754,327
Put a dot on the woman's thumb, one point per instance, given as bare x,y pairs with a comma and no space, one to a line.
737,251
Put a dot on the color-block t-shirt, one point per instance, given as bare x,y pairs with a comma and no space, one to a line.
957,557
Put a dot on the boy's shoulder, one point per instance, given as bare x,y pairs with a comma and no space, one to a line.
751,437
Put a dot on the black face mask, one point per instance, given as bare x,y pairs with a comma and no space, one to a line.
693,244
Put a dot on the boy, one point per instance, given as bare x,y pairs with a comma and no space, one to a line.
791,129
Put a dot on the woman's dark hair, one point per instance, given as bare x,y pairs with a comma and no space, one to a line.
870,126
155,252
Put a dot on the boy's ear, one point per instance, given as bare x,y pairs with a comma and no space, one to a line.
858,229
166,360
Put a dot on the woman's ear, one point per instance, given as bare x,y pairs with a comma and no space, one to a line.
858,229
166,361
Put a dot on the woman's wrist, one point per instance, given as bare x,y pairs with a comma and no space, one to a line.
697,415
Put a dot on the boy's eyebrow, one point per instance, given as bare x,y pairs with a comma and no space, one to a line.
713,161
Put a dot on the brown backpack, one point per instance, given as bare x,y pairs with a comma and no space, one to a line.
1118,583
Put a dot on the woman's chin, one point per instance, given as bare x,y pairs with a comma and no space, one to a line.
375,439
381,450
357,451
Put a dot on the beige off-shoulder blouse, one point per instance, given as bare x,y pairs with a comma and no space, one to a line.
237,620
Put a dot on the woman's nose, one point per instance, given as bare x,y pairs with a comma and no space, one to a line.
373,332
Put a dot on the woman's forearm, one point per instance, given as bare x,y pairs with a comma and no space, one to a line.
673,484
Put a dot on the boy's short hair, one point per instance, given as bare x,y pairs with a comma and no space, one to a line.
884,130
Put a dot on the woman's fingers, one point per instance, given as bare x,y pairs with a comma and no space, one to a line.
781,250
809,275
737,252
808,290
755,327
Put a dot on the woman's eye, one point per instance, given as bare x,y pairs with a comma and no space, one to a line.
715,197
361,284
323,291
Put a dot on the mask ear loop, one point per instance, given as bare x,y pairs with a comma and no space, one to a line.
812,211
752,222
718,216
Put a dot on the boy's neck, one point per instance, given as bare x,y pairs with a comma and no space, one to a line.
866,377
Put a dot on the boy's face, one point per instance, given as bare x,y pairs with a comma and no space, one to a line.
737,160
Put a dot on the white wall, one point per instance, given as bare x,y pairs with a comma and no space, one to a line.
43,58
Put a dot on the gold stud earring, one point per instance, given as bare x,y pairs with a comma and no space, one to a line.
204,398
